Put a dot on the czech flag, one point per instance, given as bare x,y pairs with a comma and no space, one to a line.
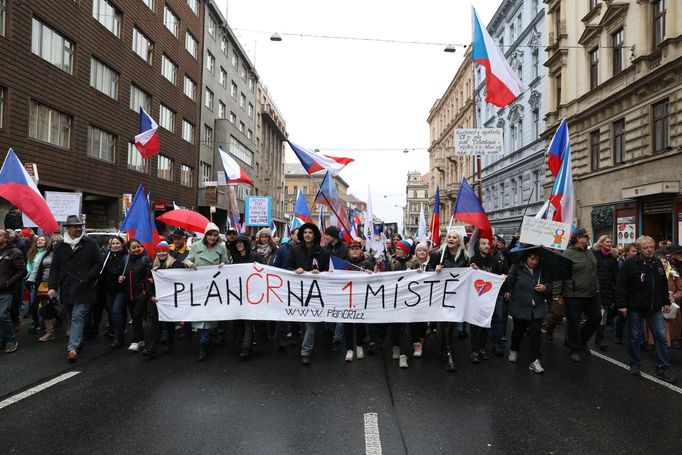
469,210
339,264
558,148
19,188
561,197
139,222
147,142
501,82
435,220
301,211
313,162
329,196
233,172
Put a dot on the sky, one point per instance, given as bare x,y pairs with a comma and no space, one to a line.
365,100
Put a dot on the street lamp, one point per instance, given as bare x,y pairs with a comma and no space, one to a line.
275,37
450,49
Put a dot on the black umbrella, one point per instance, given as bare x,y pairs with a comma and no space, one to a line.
555,266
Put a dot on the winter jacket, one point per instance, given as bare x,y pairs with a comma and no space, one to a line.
399,263
305,258
202,255
607,272
448,260
12,268
32,265
642,286
584,282
75,270
414,264
137,273
526,303
340,250
42,272
493,263
249,257
114,268
675,286
363,262
13,220
269,257
282,255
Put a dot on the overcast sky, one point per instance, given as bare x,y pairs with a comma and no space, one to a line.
355,98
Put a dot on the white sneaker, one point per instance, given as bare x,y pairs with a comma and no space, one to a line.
417,349
349,355
536,367
513,356
396,352
360,353
134,347
403,361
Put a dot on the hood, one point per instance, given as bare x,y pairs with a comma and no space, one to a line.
316,231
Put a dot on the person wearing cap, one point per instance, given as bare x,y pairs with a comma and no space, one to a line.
74,270
353,333
230,236
335,246
420,262
399,331
179,249
209,251
581,294
308,256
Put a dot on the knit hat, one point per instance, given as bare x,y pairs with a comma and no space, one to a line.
405,245
355,243
579,232
211,227
162,246
333,232
264,231
422,245
179,233
26,232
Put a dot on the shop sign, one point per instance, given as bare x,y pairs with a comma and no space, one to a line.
651,189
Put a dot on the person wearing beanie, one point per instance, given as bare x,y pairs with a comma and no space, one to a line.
241,253
417,330
335,246
282,328
356,332
398,331
265,246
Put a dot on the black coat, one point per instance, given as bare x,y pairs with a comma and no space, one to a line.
340,250
13,221
12,268
526,303
74,271
448,260
642,286
493,263
302,257
137,273
113,268
607,273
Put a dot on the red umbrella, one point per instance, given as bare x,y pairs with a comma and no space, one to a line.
186,219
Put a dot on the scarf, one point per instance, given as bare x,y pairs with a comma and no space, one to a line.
263,250
70,241
605,251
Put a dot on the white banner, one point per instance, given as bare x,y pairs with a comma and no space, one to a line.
552,234
260,292
479,141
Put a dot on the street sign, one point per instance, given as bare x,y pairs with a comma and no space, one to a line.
479,141
32,170
552,234
258,211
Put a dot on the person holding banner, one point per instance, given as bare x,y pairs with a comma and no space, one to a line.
399,331
420,262
241,253
265,246
281,261
114,291
209,251
353,331
135,281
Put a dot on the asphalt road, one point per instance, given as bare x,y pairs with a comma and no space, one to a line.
121,403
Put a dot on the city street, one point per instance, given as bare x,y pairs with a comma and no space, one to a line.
116,402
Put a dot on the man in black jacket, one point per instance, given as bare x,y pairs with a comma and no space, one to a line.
308,256
76,264
12,271
335,246
642,294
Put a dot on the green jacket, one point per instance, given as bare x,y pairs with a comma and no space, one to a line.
202,255
584,282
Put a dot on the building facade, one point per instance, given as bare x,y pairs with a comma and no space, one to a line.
296,178
72,80
621,92
455,109
416,199
228,115
512,182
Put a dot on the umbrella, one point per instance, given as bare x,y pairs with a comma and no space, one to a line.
555,266
186,219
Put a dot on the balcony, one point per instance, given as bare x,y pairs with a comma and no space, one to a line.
451,191
439,164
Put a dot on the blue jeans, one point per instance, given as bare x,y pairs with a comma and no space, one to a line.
498,325
204,336
79,312
657,326
116,305
6,332
308,339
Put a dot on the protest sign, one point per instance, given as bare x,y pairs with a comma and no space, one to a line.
479,141
626,228
258,210
63,204
260,292
552,234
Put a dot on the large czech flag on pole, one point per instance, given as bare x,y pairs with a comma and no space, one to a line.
138,222
147,142
501,82
19,188
313,162
301,211
435,220
469,210
561,198
558,148
233,172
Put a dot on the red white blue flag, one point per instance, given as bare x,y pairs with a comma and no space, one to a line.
561,204
558,148
301,211
469,210
147,142
233,172
313,162
435,220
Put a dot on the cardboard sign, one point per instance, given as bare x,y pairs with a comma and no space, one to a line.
63,204
479,141
258,211
552,234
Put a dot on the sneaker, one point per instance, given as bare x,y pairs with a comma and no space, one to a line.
72,356
417,350
513,356
396,352
666,376
349,355
134,347
484,354
634,370
474,357
403,361
536,367
11,346
305,360
359,353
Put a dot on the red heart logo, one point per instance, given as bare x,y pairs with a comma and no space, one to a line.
482,286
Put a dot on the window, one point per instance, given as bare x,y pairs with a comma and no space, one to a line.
242,100
223,77
171,21
233,90
222,109
557,23
534,6
210,62
103,78
2,17
519,24
250,110
252,84
187,131
661,126
235,59
619,141
536,185
149,3
186,175
594,150
135,160
557,90
139,98
190,88
49,125
659,21
169,70
107,15
142,46
594,68
238,150
242,73
166,118
512,32
101,144
517,135
211,26
618,51
206,172
191,44
207,138
223,44
3,90
535,116
242,126
194,6
536,63
52,46
164,168
208,99
249,134
233,118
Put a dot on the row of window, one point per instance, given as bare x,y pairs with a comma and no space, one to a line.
495,197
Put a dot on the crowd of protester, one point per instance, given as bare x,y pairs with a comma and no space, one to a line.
64,284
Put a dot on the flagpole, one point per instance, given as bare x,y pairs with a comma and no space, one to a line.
442,254
330,205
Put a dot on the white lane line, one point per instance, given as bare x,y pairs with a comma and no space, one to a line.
33,390
372,441
644,375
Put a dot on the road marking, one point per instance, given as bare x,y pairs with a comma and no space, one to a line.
644,375
372,441
33,390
